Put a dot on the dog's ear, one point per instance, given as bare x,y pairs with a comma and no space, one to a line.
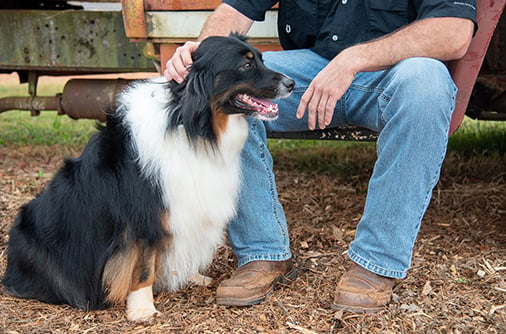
238,36
195,113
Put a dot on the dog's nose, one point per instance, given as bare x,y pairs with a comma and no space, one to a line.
288,83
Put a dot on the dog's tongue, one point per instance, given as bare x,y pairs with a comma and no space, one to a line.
266,103
260,105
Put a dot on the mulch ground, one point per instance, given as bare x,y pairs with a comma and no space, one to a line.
457,283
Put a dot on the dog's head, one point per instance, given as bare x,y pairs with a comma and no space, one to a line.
228,77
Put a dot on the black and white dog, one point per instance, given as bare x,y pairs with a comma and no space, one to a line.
148,200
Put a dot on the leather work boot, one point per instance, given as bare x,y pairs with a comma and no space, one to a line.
253,282
362,291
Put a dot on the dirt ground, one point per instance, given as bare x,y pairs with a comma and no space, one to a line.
457,283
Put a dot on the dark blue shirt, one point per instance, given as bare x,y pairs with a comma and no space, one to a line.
329,26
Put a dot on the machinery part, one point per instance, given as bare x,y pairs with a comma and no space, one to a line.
91,98
32,103
69,42
81,98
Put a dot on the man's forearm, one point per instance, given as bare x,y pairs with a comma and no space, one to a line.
224,20
439,38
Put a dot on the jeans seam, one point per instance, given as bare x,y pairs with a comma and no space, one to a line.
387,99
435,177
372,90
368,89
272,192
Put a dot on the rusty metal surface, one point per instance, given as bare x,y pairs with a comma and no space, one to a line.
91,98
180,4
68,42
34,104
81,98
134,19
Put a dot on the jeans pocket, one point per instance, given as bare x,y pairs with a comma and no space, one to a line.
386,16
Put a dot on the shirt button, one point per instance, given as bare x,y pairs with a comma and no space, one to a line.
288,28
344,2
335,38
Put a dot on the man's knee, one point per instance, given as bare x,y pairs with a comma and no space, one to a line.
424,75
421,93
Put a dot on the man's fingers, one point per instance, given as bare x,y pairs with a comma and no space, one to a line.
329,110
177,67
171,74
306,97
186,57
322,112
316,106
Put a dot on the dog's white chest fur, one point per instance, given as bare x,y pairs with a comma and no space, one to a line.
199,185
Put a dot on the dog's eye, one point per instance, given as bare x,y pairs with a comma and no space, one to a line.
248,66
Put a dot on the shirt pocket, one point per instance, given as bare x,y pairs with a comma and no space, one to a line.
297,23
386,16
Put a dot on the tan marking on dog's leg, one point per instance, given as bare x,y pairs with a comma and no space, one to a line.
164,245
117,276
140,305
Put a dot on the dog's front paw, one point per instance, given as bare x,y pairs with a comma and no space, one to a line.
142,314
201,280
140,305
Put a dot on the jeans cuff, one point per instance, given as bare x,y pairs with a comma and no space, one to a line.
264,257
378,270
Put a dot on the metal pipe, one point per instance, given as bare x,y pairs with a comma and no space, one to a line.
81,98
32,103
91,98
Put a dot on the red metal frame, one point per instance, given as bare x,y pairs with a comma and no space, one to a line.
465,70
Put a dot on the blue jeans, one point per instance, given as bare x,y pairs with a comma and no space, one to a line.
410,105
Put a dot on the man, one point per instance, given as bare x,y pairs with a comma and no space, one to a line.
376,64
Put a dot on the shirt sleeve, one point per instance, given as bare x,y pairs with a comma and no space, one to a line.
452,8
253,9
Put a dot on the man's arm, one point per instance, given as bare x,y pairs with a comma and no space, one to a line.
224,20
442,38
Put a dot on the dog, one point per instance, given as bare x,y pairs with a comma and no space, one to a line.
146,204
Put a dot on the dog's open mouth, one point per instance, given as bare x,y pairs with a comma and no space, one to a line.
262,108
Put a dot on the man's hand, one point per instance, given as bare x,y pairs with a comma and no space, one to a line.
177,66
325,90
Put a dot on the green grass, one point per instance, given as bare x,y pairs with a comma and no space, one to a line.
19,128
479,137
